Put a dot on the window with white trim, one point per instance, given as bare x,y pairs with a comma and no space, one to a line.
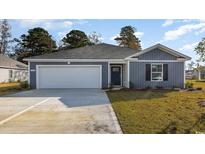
157,72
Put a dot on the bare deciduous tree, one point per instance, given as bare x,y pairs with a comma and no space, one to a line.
95,38
5,36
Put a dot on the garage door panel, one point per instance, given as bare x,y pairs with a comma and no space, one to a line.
69,77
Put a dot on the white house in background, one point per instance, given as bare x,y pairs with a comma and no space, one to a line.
195,74
12,70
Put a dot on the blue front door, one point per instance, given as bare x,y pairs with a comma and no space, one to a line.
116,75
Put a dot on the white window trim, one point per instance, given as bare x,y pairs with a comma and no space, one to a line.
157,72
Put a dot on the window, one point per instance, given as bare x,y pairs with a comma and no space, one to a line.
115,69
157,72
10,74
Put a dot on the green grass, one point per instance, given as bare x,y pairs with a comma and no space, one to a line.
159,111
198,83
8,88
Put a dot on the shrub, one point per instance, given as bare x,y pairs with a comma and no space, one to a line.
158,87
189,85
24,85
132,85
111,86
147,87
199,88
191,89
170,129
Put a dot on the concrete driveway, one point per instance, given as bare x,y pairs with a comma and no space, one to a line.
58,111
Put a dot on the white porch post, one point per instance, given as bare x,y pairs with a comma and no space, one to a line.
108,75
128,74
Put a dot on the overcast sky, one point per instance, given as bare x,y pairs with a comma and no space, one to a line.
181,35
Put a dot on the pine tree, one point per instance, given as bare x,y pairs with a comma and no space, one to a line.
128,39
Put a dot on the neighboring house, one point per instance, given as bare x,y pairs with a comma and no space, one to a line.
203,74
191,74
12,70
194,74
105,65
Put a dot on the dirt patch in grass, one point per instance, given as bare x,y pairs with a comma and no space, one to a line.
159,111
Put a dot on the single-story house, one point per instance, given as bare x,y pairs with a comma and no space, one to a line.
12,70
105,65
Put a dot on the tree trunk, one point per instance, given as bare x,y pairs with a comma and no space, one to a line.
199,75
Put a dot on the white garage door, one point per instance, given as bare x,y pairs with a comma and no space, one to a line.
69,76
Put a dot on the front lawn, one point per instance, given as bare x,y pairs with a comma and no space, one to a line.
159,111
197,83
8,88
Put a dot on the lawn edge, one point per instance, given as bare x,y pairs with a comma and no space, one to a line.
115,118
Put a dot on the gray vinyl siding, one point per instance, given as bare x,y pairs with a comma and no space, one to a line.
175,76
157,54
33,73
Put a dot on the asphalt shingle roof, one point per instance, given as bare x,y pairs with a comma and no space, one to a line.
6,62
100,51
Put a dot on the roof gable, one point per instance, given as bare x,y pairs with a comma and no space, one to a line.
161,48
6,62
156,54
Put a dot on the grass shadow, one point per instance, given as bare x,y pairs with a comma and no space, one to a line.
132,95
200,81
170,129
199,121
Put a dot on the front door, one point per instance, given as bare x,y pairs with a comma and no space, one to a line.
116,75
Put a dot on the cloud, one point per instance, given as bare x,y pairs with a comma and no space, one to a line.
48,24
188,47
200,31
168,22
62,34
113,37
139,34
31,22
187,20
58,25
81,21
202,20
182,30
